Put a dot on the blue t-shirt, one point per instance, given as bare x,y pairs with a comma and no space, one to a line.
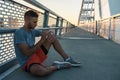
23,36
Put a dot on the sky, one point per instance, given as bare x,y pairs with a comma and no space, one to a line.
68,9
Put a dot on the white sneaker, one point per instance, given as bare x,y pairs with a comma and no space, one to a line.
61,65
72,62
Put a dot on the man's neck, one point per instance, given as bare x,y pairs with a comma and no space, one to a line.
26,28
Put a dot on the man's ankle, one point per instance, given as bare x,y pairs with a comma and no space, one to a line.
67,59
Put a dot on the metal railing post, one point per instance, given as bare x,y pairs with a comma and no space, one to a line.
109,32
67,26
96,26
46,17
113,29
57,23
61,25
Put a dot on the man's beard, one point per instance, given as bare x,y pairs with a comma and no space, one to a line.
29,26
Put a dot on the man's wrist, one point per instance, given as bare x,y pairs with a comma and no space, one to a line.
41,42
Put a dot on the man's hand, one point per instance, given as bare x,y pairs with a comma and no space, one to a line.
51,36
47,35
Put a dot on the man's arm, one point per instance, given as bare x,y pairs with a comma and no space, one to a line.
29,51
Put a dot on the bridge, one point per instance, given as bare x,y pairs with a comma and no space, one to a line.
95,41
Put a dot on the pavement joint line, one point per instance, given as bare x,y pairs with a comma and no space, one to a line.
81,38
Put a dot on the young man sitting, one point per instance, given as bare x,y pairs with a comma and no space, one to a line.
31,55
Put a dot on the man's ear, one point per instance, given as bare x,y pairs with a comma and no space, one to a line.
27,20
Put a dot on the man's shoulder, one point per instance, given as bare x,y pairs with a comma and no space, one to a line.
19,30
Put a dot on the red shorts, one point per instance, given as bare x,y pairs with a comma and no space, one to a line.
37,58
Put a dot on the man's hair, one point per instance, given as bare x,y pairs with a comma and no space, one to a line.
30,13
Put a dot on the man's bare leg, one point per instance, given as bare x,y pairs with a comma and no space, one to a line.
40,70
59,49
47,44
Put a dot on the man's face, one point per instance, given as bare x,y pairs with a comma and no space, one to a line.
32,23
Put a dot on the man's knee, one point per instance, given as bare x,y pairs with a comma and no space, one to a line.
52,38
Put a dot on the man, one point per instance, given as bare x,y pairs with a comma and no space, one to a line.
31,55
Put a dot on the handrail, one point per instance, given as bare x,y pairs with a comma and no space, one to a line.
2,31
10,30
50,28
37,4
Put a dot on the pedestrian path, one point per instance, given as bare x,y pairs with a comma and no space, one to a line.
100,59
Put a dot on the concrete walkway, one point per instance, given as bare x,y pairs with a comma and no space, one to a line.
100,59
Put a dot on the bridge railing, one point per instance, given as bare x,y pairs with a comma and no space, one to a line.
108,28
11,18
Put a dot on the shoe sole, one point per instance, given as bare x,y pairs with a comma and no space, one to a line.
67,64
61,62
76,65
